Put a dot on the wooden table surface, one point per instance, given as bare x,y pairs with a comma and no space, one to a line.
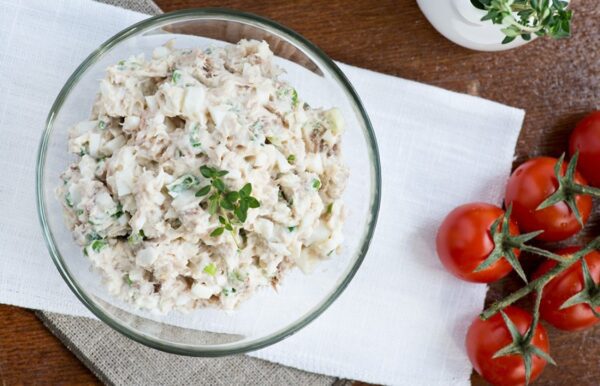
556,82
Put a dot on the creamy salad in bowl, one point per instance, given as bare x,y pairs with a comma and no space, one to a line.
201,177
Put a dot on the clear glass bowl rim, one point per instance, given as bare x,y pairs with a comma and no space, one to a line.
223,15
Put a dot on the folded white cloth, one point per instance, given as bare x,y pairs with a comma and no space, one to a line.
403,318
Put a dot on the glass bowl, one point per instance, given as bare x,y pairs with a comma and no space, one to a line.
269,315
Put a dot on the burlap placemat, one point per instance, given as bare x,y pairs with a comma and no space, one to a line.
117,360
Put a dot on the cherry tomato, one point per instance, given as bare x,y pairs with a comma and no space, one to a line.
486,337
562,288
464,241
530,185
586,139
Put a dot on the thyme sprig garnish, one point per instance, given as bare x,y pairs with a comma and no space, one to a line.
526,17
232,206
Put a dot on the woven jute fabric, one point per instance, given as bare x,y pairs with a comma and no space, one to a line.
117,360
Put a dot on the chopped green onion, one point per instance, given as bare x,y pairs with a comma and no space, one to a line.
98,245
272,140
291,159
210,269
236,276
136,238
181,184
68,200
294,97
195,136
316,184
93,236
119,211
176,76
128,280
101,125
228,291
292,228
257,125
329,208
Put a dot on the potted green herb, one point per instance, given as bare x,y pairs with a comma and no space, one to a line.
494,25
527,18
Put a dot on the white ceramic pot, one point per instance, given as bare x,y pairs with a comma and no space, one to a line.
460,22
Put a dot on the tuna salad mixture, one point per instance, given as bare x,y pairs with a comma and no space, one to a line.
201,177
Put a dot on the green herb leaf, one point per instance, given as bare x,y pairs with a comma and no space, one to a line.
241,214
219,184
203,192
246,190
232,196
217,232
206,171
291,229
252,202
294,97
291,159
227,205
101,125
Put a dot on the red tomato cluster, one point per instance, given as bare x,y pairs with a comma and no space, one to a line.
547,203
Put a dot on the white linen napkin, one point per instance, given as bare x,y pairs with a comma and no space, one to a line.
403,318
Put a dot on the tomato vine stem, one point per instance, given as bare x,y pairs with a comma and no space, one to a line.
538,284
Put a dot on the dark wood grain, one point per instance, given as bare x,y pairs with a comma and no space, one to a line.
556,82
30,354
